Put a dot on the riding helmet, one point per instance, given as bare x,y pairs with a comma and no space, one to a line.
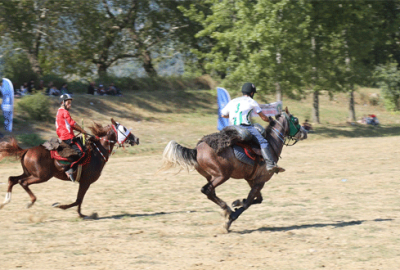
248,88
65,97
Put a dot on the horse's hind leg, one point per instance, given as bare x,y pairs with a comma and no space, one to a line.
83,187
209,191
25,185
12,180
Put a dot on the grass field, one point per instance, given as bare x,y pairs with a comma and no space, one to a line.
336,206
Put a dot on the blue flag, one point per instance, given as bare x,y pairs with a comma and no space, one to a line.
223,98
7,105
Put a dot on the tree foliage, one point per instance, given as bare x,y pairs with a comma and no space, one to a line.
388,78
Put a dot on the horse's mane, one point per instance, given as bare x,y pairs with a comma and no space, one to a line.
98,130
221,140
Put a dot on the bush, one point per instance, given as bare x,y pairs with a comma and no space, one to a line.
36,107
388,79
30,140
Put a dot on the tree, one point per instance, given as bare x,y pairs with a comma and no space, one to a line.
28,25
388,78
257,41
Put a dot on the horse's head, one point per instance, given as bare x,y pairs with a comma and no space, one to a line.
124,135
289,127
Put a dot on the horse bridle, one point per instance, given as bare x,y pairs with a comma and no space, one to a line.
116,130
287,138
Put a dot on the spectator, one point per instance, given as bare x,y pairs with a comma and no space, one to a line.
31,86
49,86
91,88
112,91
23,89
372,120
100,90
41,86
64,89
54,91
307,126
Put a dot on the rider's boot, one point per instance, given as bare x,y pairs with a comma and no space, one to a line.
269,160
70,174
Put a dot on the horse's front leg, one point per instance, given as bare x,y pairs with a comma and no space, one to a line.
83,187
256,189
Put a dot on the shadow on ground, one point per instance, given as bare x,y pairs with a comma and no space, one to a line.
316,225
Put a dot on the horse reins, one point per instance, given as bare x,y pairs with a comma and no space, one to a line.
99,138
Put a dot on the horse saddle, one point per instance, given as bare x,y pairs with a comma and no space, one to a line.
247,150
61,151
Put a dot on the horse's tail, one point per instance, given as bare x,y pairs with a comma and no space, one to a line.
10,148
175,155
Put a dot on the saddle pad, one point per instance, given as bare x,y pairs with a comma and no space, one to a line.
241,155
54,154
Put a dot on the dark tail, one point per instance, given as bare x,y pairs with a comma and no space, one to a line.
10,148
175,155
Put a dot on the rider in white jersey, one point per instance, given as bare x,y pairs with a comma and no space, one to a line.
239,112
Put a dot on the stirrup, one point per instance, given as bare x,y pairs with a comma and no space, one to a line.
70,174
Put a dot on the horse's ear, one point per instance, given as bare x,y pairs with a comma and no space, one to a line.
287,110
113,122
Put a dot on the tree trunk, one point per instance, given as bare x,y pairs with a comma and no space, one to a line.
278,91
315,110
33,60
352,112
277,84
102,70
147,64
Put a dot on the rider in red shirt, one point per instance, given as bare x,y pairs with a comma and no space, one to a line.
65,126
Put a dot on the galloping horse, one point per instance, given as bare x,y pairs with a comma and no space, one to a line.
39,166
219,167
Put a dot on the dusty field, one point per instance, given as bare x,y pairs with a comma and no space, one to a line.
336,207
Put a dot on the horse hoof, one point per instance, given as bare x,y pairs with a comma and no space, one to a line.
2,205
29,205
55,204
227,225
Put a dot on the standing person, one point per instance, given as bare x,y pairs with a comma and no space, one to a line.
91,88
65,130
7,90
239,112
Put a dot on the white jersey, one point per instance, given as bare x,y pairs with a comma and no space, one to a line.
240,109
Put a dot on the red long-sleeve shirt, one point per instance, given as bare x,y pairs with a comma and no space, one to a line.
64,124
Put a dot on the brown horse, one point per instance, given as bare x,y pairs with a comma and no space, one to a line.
219,167
39,166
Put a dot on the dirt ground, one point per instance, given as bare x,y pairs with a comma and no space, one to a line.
336,207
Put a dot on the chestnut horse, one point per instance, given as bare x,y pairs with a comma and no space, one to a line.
218,168
38,165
